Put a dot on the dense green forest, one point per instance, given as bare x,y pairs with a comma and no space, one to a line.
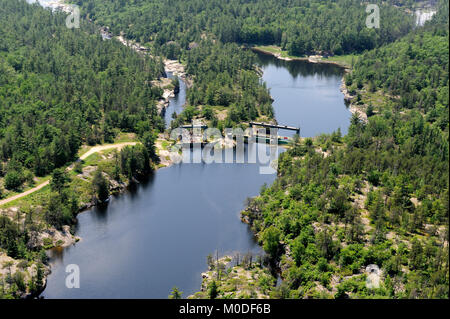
62,87
381,195
300,26
205,36
378,195
225,76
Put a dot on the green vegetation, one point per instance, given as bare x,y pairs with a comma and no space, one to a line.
101,186
381,195
279,52
175,294
300,27
348,60
224,77
204,37
236,277
61,88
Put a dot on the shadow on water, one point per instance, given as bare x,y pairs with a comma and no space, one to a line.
56,254
176,103
300,68
100,212
157,235
306,95
135,186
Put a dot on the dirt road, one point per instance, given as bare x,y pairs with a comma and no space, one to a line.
93,150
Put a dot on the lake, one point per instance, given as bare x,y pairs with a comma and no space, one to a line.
158,235
306,95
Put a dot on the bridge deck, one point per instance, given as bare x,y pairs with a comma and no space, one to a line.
194,126
282,127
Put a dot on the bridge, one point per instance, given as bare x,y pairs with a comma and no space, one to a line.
258,137
280,127
192,126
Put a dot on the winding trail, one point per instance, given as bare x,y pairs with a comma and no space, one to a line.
93,150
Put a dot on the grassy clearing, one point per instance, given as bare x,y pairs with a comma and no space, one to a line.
276,50
120,138
246,280
92,160
27,186
269,48
30,200
104,160
346,60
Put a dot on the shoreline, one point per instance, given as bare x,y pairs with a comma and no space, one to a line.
64,237
170,66
70,239
178,69
354,109
52,238
317,59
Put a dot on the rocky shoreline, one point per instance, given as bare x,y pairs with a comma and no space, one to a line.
348,97
177,69
64,237
60,239
170,66
48,238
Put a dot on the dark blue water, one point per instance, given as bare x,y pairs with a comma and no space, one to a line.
158,235
175,104
307,95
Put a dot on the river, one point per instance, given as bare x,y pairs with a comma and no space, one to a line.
158,234
176,103
306,95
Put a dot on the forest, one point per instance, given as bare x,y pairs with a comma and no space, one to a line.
378,195
381,195
225,77
60,88
207,37
299,26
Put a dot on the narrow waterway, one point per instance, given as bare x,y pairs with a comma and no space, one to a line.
158,235
306,95
176,103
